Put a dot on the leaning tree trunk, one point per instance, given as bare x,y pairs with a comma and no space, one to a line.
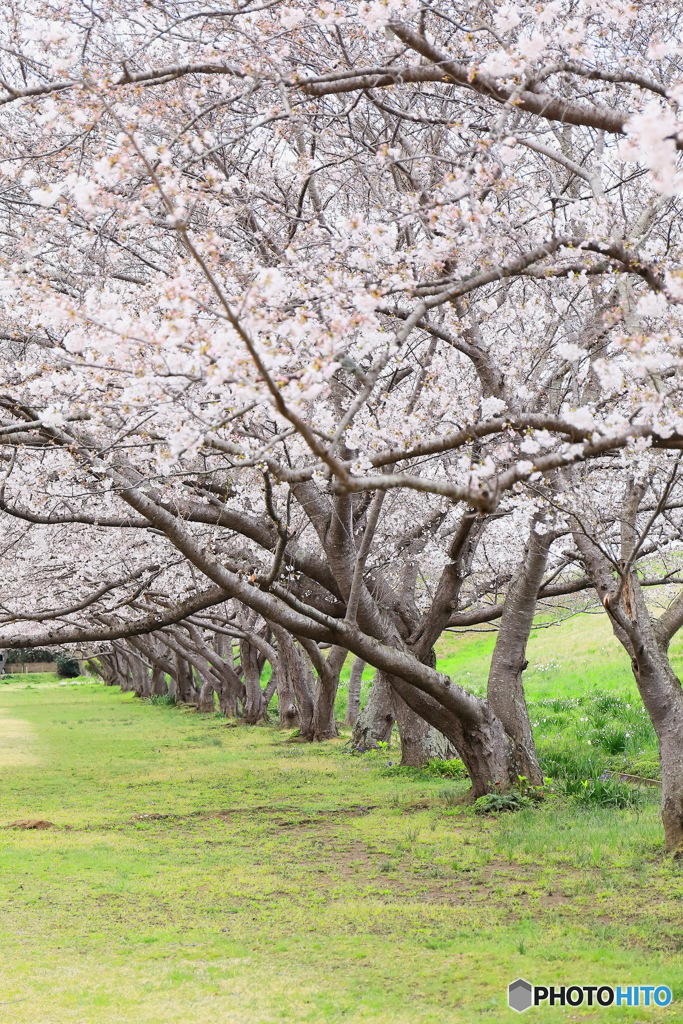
376,720
139,673
353,699
505,688
646,640
230,688
123,671
105,667
663,697
420,741
230,693
486,749
284,679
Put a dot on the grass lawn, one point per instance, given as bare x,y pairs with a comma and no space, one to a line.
204,872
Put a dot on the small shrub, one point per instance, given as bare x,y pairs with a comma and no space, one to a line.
451,797
67,667
496,803
603,793
570,761
608,793
162,700
613,739
448,769
404,771
645,767
610,702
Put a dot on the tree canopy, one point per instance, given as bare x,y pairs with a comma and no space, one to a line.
326,328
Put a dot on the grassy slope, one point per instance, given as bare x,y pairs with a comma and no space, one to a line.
573,656
565,659
296,883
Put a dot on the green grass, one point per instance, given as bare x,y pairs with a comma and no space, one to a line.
32,678
566,658
207,872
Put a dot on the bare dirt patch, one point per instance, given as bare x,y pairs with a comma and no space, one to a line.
32,823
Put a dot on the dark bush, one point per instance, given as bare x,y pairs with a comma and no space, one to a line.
67,667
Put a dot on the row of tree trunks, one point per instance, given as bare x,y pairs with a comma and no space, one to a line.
198,671
496,750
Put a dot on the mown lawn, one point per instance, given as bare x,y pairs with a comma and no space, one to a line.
204,872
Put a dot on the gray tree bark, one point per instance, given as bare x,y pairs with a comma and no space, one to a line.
186,691
294,700
420,741
505,688
254,704
159,687
205,701
328,671
376,720
353,699
646,640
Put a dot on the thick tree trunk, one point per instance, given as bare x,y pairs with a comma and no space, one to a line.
140,678
288,666
230,689
159,687
254,704
105,667
420,741
353,699
205,702
376,720
662,696
186,691
294,684
646,640
505,689
228,701
329,669
671,757
123,671
488,752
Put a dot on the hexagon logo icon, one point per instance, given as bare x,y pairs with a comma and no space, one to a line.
520,995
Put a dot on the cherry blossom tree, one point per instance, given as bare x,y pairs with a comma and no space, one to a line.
309,313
